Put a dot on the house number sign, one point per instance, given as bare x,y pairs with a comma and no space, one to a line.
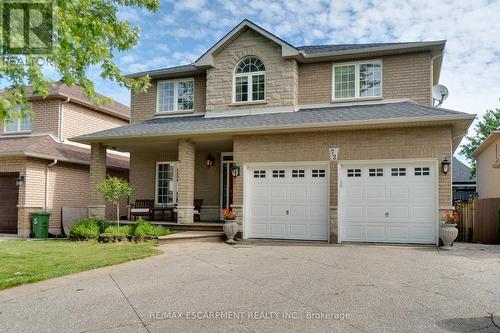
334,153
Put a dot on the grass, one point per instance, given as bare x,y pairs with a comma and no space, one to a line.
31,261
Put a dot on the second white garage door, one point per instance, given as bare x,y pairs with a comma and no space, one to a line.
287,202
394,202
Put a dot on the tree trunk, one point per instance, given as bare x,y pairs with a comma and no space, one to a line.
118,214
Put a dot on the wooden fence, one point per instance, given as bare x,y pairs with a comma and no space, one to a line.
478,220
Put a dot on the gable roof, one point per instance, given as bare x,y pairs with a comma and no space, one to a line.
77,95
461,173
493,135
306,53
46,147
206,59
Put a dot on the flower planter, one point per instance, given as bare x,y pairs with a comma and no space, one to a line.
448,233
230,229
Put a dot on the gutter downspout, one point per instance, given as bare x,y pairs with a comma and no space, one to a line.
47,183
61,119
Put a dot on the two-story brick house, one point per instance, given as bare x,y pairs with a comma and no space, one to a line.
331,142
40,169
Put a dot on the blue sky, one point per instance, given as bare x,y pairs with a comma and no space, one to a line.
182,30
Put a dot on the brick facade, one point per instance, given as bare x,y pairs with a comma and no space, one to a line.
404,143
406,76
144,103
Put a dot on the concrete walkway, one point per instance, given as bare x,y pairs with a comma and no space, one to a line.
7,237
270,287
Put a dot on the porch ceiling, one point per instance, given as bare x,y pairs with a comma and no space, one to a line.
161,144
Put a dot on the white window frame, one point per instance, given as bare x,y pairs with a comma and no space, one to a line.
176,95
250,84
357,65
173,164
18,129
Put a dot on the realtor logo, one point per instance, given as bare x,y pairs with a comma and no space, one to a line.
28,26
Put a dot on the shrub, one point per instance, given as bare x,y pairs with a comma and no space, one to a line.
144,228
87,228
114,230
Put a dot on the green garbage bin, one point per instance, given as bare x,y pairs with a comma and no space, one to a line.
40,224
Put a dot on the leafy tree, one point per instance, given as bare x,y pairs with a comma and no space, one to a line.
114,189
87,32
489,123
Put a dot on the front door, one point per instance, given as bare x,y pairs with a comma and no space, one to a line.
9,194
226,197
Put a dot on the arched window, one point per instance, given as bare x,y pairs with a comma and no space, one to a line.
250,80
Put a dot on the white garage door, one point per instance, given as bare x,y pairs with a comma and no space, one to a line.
388,202
288,202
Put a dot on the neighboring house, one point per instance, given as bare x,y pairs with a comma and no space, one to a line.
488,166
40,169
269,112
463,182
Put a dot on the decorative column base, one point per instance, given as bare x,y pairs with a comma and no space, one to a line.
96,211
185,214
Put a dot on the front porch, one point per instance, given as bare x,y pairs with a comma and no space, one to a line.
182,182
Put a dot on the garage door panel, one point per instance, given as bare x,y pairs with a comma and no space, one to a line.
399,212
319,231
393,188
399,192
353,232
399,233
258,229
277,229
376,233
292,205
278,192
376,192
354,192
374,212
298,192
298,230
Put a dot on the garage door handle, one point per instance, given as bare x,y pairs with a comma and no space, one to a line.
287,212
386,214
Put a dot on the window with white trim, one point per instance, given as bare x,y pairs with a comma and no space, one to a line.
249,80
278,173
379,172
357,80
353,172
166,183
318,173
259,174
175,95
20,121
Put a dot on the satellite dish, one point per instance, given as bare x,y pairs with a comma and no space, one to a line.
439,93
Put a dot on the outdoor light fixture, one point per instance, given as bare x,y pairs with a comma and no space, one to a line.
235,170
210,161
19,181
445,166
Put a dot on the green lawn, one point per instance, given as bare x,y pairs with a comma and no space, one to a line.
30,261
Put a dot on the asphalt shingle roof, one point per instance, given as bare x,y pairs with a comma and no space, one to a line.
312,49
461,172
327,115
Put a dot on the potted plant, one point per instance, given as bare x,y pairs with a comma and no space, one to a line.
230,225
448,231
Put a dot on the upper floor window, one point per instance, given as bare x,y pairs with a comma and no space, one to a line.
175,95
250,80
357,80
19,123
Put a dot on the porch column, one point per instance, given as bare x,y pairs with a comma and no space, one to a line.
185,186
97,204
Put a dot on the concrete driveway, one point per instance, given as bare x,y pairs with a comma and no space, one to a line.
270,287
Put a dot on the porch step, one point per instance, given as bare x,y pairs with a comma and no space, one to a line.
197,226
192,236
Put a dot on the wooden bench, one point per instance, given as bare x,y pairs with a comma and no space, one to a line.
142,208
